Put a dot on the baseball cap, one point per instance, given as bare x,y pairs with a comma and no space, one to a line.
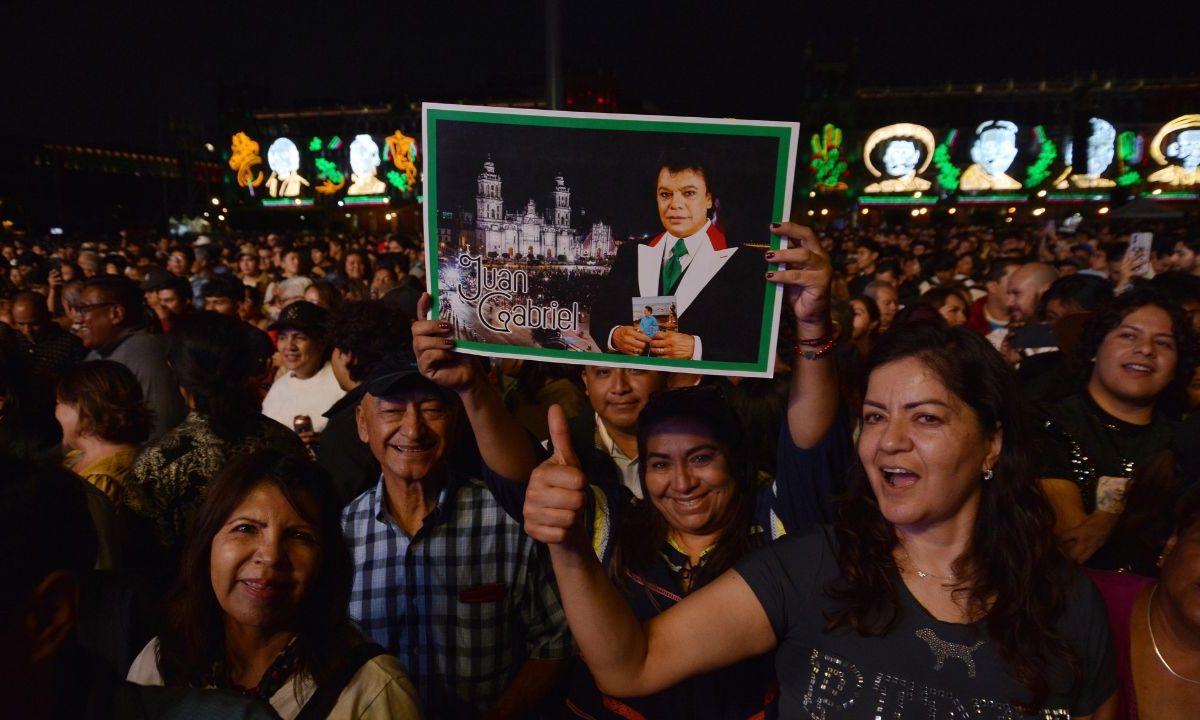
397,372
303,316
156,279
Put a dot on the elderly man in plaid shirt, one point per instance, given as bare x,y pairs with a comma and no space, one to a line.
444,577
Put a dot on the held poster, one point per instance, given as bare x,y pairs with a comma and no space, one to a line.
621,240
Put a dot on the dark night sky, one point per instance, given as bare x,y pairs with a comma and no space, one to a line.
113,73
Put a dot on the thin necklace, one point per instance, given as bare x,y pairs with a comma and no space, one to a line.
1154,644
921,573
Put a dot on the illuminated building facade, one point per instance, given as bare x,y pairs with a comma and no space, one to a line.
530,232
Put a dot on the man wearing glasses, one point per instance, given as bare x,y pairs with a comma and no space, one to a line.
113,326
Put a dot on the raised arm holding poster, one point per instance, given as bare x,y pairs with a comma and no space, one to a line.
607,239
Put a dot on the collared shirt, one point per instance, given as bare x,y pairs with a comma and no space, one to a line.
627,465
691,241
463,602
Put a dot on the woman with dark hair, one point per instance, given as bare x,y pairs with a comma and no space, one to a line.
1108,467
259,606
865,325
325,295
951,302
216,368
104,420
939,585
697,519
356,265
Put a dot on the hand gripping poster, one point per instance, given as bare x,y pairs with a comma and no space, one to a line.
621,240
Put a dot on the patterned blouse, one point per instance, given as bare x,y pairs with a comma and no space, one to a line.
170,475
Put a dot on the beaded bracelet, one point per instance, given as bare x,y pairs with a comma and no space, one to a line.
817,342
813,354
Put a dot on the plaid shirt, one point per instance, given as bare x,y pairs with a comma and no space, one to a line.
463,603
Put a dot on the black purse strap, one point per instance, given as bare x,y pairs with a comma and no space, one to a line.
322,701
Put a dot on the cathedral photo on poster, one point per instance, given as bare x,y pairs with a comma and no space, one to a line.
546,230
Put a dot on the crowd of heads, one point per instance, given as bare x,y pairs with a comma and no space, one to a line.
991,323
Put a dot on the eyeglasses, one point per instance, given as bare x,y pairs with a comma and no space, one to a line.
85,309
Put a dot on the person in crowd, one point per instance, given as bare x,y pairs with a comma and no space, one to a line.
1184,257
356,265
284,292
249,270
886,299
1155,626
113,327
308,385
1073,295
222,295
1025,288
1108,460
866,256
250,308
49,674
27,426
217,368
1053,375
941,268
104,422
606,438
52,350
907,592
432,529
174,301
865,325
408,290
697,520
325,295
989,314
1184,289
383,281
322,263
950,303
535,387
364,335
259,606
179,261
205,267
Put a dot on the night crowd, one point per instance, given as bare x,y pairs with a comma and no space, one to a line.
244,476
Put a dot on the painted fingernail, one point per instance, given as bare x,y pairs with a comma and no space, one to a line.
444,325
770,254
449,342
770,275
775,225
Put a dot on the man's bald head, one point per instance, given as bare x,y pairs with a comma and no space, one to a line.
30,313
1025,288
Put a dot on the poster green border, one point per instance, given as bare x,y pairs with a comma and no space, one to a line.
786,135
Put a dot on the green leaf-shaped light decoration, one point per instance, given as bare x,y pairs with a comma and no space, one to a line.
327,170
947,173
1040,169
399,180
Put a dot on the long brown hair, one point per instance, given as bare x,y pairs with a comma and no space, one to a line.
1019,579
194,635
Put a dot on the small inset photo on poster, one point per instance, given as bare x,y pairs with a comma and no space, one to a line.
654,315
548,234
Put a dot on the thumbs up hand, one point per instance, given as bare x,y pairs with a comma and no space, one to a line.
555,497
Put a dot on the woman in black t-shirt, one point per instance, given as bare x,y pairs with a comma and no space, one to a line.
940,585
